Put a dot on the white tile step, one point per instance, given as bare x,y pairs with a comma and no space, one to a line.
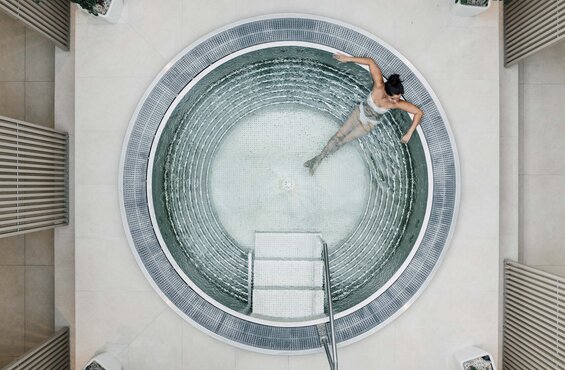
288,245
280,273
288,304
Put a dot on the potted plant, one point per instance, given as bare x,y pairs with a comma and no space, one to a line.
110,10
103,361
469,8
473,358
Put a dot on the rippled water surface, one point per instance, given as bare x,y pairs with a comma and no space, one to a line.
229,162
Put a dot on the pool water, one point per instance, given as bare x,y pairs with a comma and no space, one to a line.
229,162
258,171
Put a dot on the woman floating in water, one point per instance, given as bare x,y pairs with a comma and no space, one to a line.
383,97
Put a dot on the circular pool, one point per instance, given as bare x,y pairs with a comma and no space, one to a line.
214,154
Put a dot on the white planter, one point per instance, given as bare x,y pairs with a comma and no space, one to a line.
113,14
114,11
466,356
106,360
467,10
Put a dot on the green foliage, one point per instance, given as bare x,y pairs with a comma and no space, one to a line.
88,5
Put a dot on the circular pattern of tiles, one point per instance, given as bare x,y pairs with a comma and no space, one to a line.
201,210
135,206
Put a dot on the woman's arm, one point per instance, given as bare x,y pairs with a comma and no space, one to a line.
374,68
417,112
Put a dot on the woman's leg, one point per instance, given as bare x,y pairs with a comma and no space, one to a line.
351,125
357,132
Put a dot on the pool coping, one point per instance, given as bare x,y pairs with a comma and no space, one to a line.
347,336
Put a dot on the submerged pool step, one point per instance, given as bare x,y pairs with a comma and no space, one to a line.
288,275
287,245
275,273
288,303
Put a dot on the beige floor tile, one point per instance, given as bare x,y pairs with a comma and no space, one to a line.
543,212
313,361
199,18
509,248
542,148
376,352
5,360
145,17
64,296
546,66
471,263
39,304
12,100
107,264
556,270
39,103
12,250
247,360
123,356
98,157
132,55
461,100
159,346
465,51
64,278
509,181
479,204
107,104
65,90
12,310
64,246
98,212
112,317
426,335
40,57
4,18
12,50
39,248
201,351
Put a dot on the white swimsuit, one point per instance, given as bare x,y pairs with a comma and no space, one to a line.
369,113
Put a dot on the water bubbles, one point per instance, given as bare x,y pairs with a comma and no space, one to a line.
284,77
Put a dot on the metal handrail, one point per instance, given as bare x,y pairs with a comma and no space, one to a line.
332,355
249,306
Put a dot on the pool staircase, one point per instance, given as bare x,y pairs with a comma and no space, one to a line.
288,275
291,279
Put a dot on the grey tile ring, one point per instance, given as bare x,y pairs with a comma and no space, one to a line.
135,208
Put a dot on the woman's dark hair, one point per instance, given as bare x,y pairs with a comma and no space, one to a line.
393,85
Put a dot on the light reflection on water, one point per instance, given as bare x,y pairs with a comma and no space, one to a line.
208,233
